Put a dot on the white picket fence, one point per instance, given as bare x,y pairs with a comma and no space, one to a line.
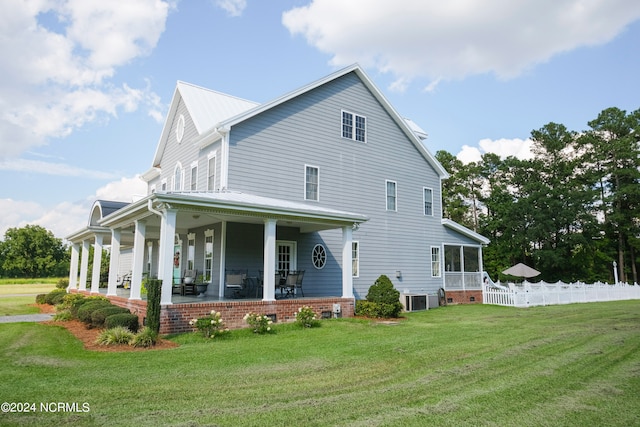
532,294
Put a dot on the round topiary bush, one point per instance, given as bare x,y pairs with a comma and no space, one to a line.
87,309
126,320
55,296
98,316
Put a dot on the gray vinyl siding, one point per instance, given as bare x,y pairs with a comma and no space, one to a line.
186,153
268,154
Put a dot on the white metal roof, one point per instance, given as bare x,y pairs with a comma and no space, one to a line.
209,107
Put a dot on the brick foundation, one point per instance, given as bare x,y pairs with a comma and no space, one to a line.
175,318
464,297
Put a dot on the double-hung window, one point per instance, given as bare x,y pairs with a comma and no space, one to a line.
435,261
428,201
392,196
355,259
211,173
311,183
354,126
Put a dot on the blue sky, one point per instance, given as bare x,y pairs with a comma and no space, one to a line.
86,83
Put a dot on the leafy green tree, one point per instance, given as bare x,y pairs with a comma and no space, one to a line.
612,157
31,251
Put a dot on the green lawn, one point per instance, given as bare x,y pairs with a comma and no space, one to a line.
19,298
574,365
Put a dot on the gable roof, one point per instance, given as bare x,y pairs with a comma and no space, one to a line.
206,107
411,130
214,113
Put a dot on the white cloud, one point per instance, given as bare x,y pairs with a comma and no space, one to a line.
232,7
504,147
58,57
57,169
66,217
454,39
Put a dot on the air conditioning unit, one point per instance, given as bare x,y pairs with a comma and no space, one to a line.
416,302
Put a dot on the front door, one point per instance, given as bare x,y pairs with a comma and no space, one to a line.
286,259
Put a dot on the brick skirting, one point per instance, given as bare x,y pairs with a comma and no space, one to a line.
175,318
464,297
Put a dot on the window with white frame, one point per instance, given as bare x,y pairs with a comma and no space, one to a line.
391,196
180,129
177,177
163,185
211,173
319,256
194,177
355,259
208,256
428,201
354,126
311,183
435,261
191,251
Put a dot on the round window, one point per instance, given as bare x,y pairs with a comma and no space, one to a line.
319,256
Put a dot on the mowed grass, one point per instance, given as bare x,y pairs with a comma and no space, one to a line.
572,365
20,298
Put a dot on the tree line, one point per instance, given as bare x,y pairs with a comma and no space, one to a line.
571,211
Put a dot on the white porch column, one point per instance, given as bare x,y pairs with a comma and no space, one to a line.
84,265
347,266
114,262
138,259
73,268
165,273
222,274
269,267
97,263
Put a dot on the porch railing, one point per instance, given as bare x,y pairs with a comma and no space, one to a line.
462,281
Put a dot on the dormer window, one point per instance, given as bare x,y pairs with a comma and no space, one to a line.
354,126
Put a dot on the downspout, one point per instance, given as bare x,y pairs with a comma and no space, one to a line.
153,210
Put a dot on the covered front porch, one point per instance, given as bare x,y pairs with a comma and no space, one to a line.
172,235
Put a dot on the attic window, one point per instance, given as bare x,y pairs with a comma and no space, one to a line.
180,128
354,126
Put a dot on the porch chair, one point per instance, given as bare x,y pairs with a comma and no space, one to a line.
189,282
298,284
291,283
236,282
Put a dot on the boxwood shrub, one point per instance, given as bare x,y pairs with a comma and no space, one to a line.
55,296
75,302
41,299
98,316
86,310
126,320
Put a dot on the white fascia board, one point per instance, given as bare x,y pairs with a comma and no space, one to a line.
152,173
166,128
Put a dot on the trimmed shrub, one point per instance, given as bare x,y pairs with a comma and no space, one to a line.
386,298
41,299
76,302
147,337
98,316
154,288
126,320
63,315
116,335
55,296
62,283
86,310
366,308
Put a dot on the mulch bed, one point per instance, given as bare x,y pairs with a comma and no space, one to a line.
88,337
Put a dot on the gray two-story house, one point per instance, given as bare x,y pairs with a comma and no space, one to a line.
328,179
